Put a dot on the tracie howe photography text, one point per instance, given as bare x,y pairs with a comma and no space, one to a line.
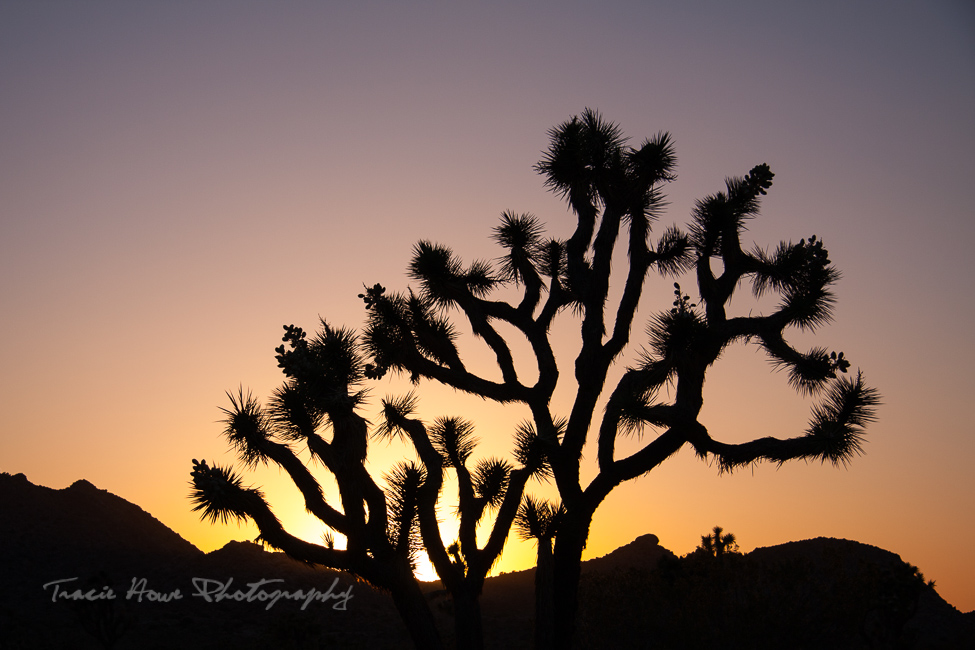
265,591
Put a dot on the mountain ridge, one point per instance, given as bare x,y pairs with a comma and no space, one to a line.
85,532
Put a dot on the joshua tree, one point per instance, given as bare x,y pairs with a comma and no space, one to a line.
539,520
493,485
615,192
384,529
321,391
718,543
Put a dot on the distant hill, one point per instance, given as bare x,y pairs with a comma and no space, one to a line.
39,524
639,596
645,552
103,540
819,593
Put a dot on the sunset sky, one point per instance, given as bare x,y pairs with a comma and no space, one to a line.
180,179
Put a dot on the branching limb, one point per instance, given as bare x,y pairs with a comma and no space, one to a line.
835,432
397,419
250,430
220,495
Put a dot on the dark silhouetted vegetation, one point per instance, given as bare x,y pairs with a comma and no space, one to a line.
615,192
822,594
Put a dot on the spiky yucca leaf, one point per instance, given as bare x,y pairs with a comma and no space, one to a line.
437,270
248,427
532,450
386,335
838,423
709,216
674,252
717,213
328,363
394,412
218,493
403,482
779,270
638,395
537,518
674,333
744,193
553,259
479,278
401,326
295,418
803,274
433,334
454,438
520,235
582,152
654,161
808,308
338,355
491,480
810,372
443,278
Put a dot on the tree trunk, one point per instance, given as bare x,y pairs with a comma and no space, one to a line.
416,614
467,620
567,569
544,598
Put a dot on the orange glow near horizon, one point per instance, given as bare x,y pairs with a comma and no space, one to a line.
179,180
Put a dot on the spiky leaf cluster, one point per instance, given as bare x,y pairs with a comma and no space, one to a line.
674,253
532,449
322,378
218,493
521,236
402,497
636,395
589,163
583,155
810,372
294,414
838,423
537,518
454,439
490,479
248,427
676,334
323,369
724,214
443,278
395,412
405,328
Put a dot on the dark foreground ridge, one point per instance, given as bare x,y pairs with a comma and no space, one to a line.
822,593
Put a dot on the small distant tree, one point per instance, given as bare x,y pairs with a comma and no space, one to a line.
616,194
718,543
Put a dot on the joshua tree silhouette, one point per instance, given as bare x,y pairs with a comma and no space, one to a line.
718,543
615,192
539,519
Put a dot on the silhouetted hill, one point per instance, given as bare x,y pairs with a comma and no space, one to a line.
645,552
100,540
39,524
821,593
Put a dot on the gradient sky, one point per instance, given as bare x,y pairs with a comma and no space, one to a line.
178,180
